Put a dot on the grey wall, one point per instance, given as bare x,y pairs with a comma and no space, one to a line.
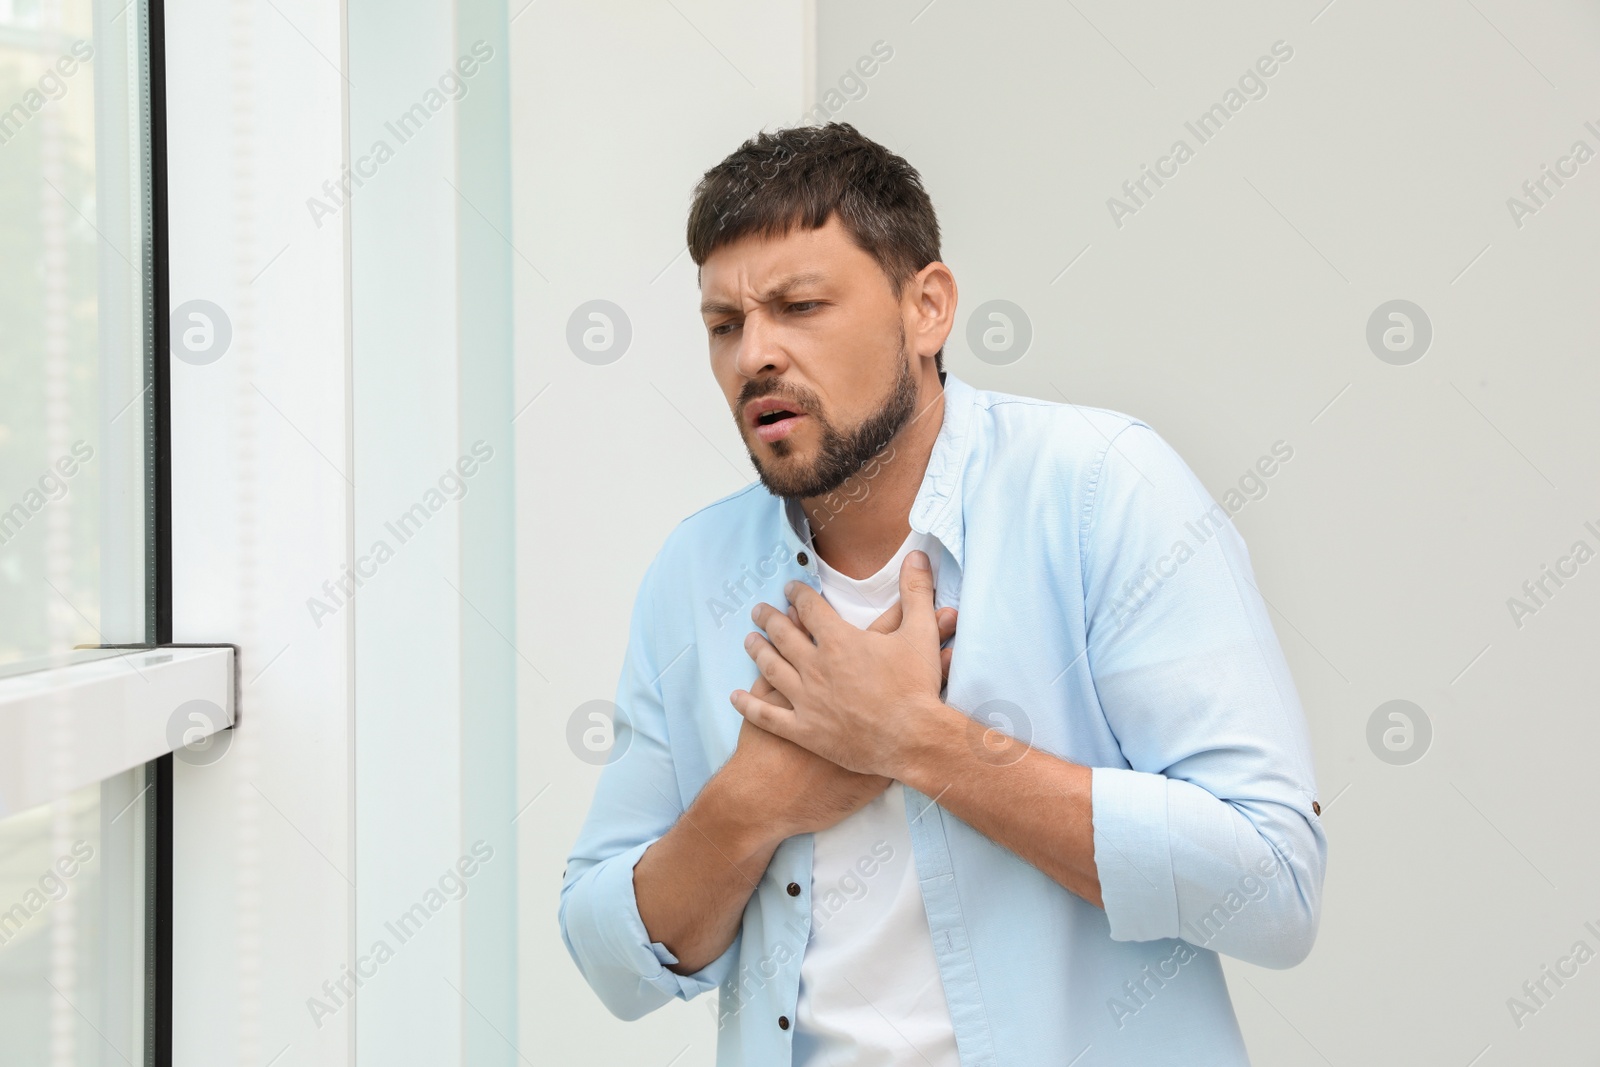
1230,311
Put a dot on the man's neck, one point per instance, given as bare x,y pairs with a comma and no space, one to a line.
859,527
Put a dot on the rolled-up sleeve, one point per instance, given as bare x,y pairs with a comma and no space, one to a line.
1209,833
636,801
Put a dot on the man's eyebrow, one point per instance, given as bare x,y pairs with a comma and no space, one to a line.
773,292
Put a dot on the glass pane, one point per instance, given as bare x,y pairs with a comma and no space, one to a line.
72,920
73,322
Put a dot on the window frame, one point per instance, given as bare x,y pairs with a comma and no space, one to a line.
121,697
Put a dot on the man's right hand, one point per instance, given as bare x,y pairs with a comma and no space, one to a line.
799,791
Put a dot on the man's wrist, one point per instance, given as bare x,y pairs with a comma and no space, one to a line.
930,728
739,820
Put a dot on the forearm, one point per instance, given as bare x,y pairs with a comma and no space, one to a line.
1033,803
692,885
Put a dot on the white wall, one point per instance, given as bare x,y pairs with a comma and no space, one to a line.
617,110
1229,312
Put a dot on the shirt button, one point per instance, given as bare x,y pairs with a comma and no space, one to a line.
783,1022
803,559
1316,807
794,889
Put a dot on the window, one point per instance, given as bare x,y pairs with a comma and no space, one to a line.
73,926
75,297
92,702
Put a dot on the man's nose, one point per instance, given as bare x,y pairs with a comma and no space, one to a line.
759,346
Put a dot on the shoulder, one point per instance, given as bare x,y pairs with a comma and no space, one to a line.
1104,468
737,507
741,527
1058,432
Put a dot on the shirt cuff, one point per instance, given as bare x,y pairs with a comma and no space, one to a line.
1132,854
616,911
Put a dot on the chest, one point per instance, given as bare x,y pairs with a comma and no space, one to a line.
1019,663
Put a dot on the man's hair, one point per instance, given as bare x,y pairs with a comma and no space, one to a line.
802,175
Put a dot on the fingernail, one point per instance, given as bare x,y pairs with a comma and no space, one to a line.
919,560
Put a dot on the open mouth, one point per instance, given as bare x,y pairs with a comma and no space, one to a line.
775,425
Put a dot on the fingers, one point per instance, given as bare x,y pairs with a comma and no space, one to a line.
794,617
792,639
772,664
764,690
889,621
763,714
947,630
817,616
788,637
916,592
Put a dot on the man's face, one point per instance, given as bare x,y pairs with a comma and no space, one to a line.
808,323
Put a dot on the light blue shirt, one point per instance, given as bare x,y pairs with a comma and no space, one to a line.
1108,616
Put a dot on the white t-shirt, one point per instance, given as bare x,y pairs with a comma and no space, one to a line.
870,992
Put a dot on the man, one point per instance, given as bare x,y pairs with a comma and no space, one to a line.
1027,846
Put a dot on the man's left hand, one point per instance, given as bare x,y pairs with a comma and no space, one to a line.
857,697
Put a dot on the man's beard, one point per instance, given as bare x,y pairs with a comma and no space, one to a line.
841,455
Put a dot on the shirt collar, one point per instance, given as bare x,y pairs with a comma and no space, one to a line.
937,508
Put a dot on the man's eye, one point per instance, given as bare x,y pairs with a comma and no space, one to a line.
801,306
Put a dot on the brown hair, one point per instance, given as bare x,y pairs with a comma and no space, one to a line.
802,175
